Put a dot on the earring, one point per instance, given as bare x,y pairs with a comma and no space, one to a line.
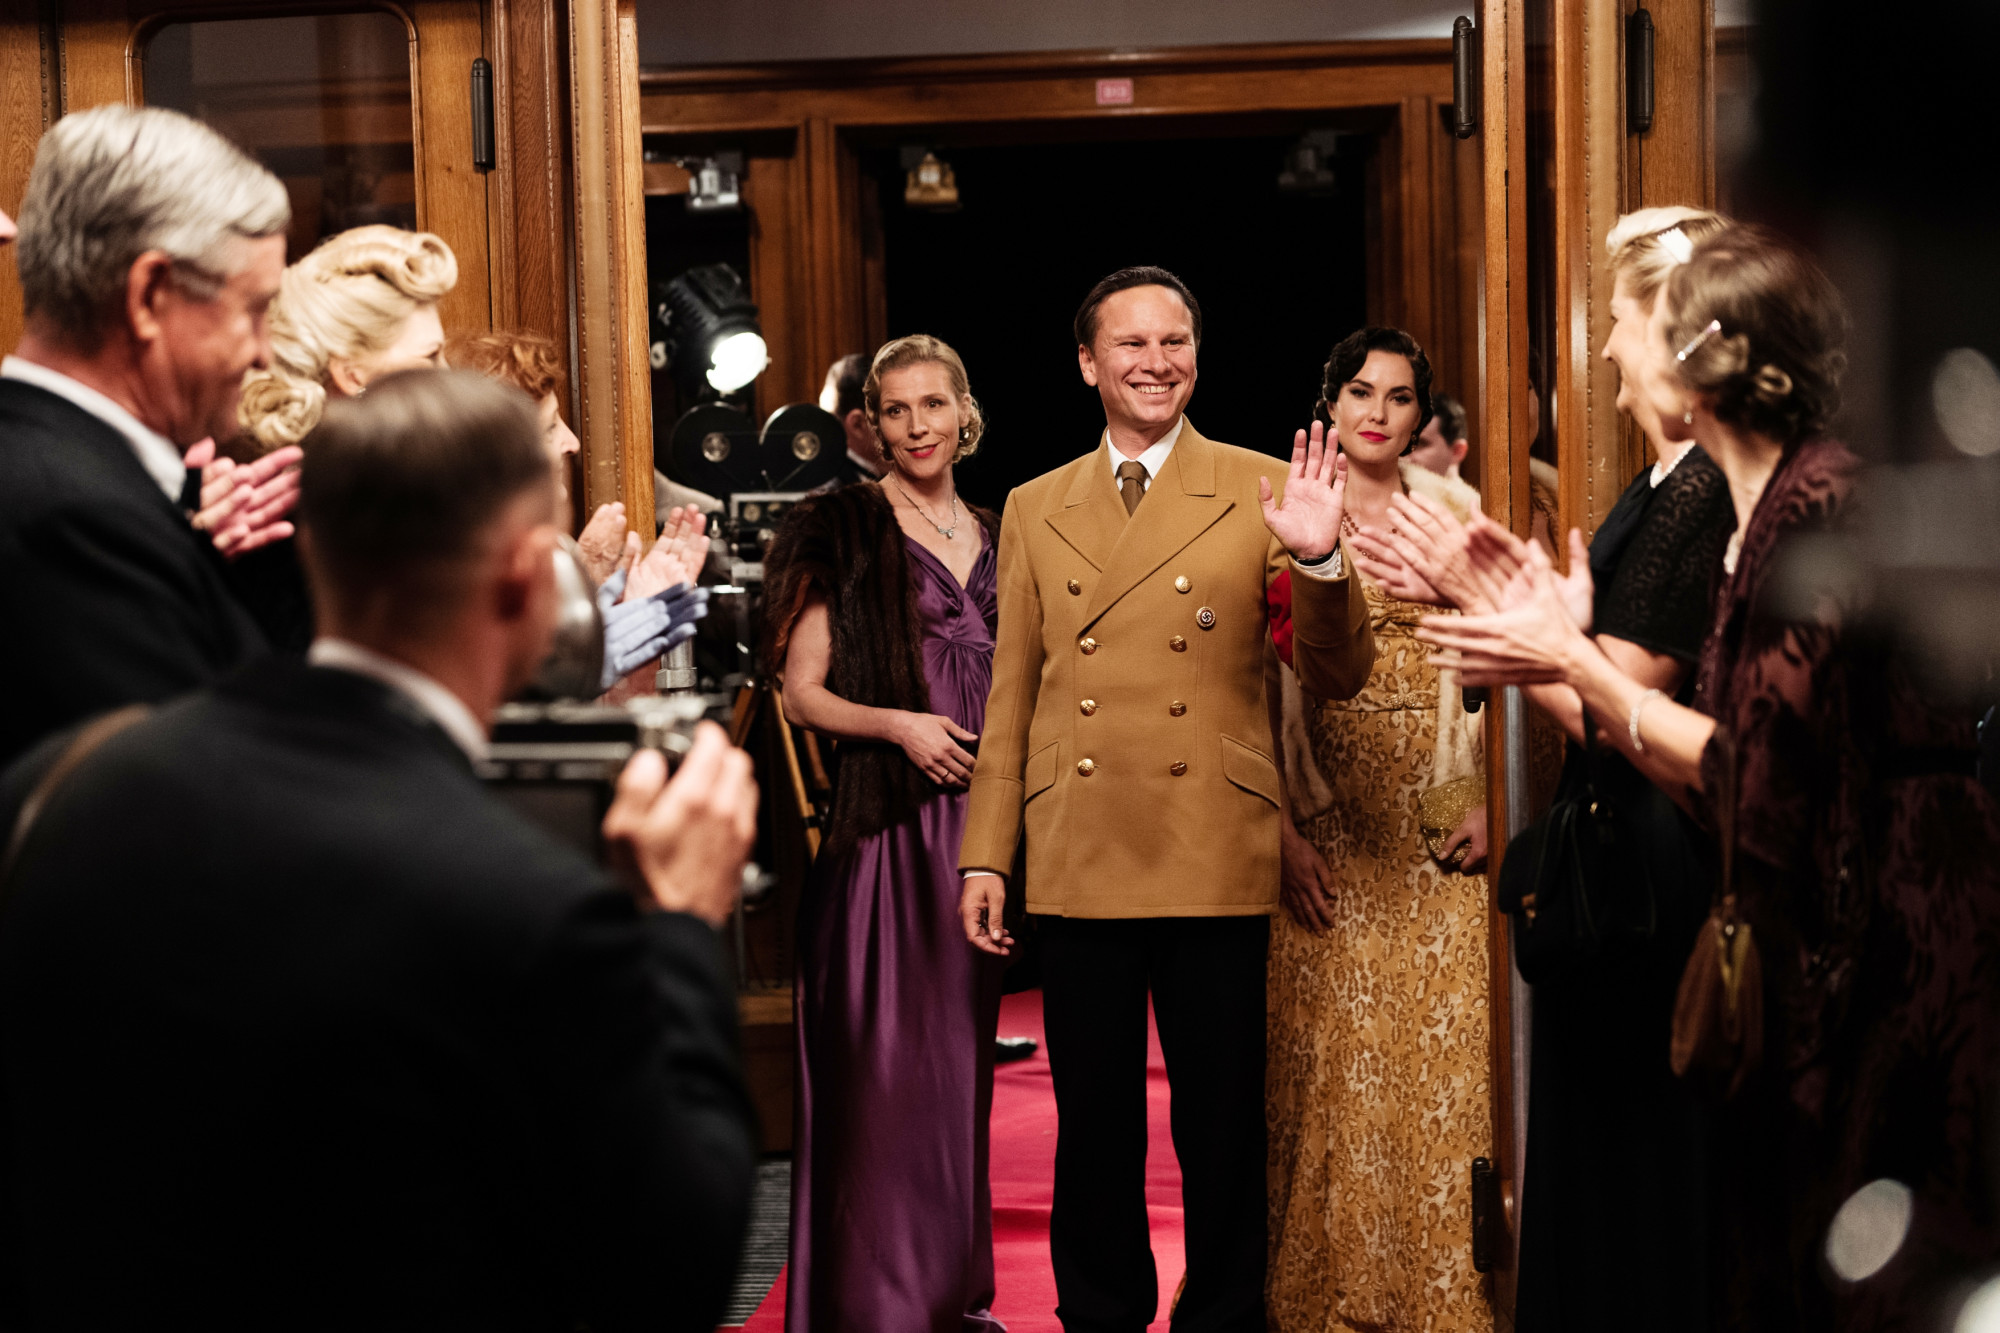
1687,417
964,434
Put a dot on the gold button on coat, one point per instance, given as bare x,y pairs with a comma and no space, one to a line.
1089,646
1176,709
1075,588
1182,584
1088,706
1177,643
1086,767
1205,618
1177,768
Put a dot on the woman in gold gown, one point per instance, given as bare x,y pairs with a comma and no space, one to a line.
1378,1086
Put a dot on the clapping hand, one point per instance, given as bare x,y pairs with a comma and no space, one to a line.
1376,556
1426,556
1308,520
606,543
245,506
676,558
1529,641
683,841
1507,568
637,633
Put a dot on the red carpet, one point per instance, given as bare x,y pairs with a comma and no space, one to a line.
1024,1160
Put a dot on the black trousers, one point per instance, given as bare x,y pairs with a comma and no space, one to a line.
1206,979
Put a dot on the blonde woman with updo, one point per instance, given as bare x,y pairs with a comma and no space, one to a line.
362,304
883,602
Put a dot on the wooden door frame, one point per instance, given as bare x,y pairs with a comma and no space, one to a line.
614,400
1598,170
809,259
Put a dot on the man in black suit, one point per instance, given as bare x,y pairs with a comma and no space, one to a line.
842,396
301,1029
149,248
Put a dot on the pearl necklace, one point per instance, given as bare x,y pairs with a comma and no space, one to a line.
1665,467
947,533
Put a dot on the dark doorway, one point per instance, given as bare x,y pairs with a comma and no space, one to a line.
1280,276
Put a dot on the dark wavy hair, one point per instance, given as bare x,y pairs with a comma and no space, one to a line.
1774,356
1124,279
1351,353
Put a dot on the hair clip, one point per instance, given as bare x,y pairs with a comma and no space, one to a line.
1714,327
1676,243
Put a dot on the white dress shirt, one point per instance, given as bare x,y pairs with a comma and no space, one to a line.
1155,458
438,703
156,453
1152,460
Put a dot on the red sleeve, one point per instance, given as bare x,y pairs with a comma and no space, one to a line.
1278,607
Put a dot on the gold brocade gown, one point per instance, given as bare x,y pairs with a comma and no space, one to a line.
1379,1090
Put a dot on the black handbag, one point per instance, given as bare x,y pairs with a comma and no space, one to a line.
1593,877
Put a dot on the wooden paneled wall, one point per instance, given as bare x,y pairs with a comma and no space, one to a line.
815,265
1554,127
1672,163
29,104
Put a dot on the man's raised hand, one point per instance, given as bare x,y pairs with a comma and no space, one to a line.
1308,520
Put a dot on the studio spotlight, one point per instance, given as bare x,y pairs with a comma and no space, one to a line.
929,181
715,184
1308,164
712,335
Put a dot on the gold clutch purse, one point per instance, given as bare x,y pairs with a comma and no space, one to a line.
1442,809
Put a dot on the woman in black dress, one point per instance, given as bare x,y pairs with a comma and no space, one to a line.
1614,1193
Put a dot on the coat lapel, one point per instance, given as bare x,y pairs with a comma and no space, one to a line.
1092,517
1180,505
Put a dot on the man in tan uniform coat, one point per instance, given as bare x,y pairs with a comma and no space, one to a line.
1127,736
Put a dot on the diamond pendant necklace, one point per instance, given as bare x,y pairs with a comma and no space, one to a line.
948,533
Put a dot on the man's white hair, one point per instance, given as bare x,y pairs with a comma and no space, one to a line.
113,182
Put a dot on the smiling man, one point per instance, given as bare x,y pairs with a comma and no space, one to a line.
1127,737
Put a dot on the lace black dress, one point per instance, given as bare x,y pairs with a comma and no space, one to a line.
1613,1205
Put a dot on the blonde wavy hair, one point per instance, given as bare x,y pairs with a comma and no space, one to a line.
915,350
349,298
1644,248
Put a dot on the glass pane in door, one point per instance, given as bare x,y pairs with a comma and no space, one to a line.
323,100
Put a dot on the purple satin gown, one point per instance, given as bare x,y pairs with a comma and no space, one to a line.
892,1216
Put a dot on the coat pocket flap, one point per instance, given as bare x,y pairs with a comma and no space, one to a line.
1252,770
1039,774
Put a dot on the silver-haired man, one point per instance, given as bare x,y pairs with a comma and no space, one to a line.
149,249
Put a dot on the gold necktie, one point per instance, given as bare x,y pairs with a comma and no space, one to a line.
1132,485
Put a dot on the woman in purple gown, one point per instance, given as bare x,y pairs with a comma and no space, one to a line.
882,602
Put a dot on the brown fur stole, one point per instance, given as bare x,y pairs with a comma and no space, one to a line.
847,547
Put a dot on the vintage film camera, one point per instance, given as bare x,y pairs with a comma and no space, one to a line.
556,759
